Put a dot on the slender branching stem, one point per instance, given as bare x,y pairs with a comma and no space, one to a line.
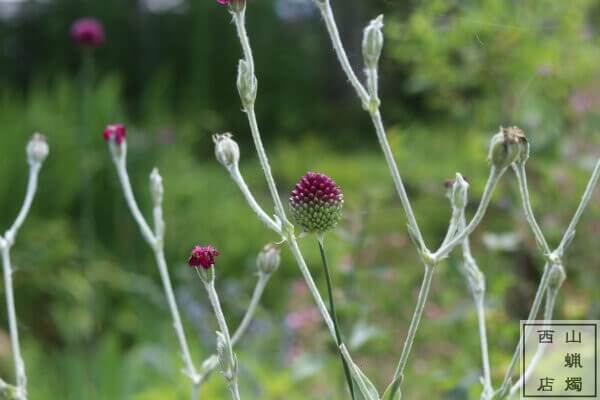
6,244
231,362
585,199
19,364
336,41
493,179
398,184
262,215
332,310
155,240
259,289
287,227
476,282
414,323
554,262
519,169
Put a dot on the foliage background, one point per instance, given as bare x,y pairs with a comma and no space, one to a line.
93,320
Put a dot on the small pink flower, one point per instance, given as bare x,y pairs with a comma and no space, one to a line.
88,32
116,132
203,257
223,2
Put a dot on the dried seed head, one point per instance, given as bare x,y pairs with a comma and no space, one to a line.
508,146
316,203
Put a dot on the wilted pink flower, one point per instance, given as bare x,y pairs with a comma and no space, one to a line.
203,257
88,32
116,132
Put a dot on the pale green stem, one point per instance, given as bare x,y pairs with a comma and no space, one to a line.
211,362
476,282
585,199
535,308
519,169
398,184
6,244
232,383
551,295
414,323
21,378
262,215
332,308
254,301
336,41
156,243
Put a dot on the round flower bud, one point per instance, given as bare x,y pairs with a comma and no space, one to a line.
88,32
269,259
227,150
508,146
458,191
37,148
316,203
203,257
373,42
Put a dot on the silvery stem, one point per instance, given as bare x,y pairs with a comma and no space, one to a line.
259,289
414,323
156,244
336,41
551,295
398,184
585,199
130,199
212,362
476,282
535,308
262,215
519,169
5,245
232,383
32,181
13,327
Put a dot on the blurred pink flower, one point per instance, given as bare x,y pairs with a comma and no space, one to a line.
88,32
203,257
296,320
116,132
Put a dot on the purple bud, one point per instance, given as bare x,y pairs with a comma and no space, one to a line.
88,32
316,203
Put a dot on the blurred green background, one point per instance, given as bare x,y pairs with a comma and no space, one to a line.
92,315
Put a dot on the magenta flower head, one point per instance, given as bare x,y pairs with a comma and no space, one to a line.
236,5
116,132
87,32
203,257
316,203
